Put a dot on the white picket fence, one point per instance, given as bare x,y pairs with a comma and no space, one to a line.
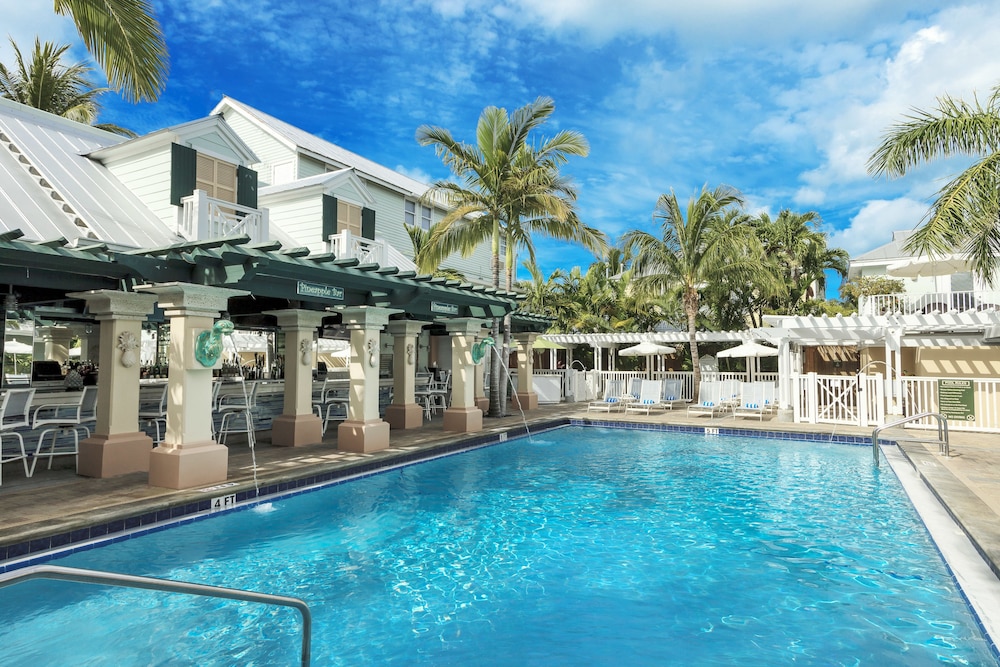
920,394
686,379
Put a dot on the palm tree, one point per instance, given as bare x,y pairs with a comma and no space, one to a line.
507,190
964,218
45,83
797,250
418,238
698,247
125,39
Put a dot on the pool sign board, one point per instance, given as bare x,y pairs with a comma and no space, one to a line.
957,399
320,290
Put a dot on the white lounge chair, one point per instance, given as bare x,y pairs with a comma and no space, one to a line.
612,400
770,395
671,395
709,400
729,392
752,402
649,397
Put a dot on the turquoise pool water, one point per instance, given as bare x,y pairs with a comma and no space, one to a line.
581,546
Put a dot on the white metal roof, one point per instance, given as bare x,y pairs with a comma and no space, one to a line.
48,151
302,140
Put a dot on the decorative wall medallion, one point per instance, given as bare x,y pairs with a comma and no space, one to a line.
372,353
409,354
129,346
306,348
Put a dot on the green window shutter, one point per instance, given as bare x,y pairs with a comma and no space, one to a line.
329,216
368,223
183,172
246,187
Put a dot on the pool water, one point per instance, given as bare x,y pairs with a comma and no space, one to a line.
580,546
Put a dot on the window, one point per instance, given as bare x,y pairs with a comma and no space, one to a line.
410,215
348,217
216,177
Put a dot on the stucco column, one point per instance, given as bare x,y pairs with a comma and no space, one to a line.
404,412
525,396
463,416
188,457
56,340
482,401
117,446
363,430
297,425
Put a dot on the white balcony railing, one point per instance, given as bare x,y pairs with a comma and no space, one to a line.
929,303
203,217
346,245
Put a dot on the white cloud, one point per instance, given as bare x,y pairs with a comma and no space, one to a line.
875,222
416,174
23,25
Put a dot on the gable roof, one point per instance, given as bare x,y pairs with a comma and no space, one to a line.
326,182
50,189
324,150
184,133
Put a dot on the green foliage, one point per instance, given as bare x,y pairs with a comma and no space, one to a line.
43,82
965,217
852,290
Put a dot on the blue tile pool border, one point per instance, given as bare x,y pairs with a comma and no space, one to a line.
20,555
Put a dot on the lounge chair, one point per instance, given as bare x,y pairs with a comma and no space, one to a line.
770,395
752,403
649,397
612,398
671,395
634,389
729,392
709,400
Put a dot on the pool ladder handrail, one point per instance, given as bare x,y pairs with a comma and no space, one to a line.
84,576
942,422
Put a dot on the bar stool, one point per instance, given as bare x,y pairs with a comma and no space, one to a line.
234,408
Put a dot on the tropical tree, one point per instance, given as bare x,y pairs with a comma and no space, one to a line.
697,247
45,83
798,254
965,217
418,238
507,190
125,39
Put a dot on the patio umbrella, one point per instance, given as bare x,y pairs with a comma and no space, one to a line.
17,347
749,350
927,267
646,349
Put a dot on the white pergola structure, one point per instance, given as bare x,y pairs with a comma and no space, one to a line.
894,331
615,341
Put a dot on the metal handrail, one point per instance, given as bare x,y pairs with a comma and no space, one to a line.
83,576
942,421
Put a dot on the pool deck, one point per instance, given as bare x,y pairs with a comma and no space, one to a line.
58,502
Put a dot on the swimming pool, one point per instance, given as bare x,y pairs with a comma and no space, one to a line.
580,546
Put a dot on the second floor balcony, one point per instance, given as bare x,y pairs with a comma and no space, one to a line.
929,303
346,245
203,217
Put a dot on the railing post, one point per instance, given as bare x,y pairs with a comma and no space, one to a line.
201,215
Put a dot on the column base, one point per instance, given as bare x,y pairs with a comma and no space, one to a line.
408,415
296,430
113,455
362,436
189,466
463,420
483,403
528,400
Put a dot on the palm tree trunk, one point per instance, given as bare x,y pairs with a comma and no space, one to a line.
496,372
691,310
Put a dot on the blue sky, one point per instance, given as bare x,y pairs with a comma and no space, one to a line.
782,99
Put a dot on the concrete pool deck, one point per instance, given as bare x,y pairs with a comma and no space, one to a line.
58,502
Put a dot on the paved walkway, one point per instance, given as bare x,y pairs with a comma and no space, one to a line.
58,501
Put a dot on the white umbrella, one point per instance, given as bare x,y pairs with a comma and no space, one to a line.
17,347
646,349
749,350
927,267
